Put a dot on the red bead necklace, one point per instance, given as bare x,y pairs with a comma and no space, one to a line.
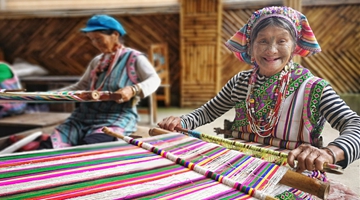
264,125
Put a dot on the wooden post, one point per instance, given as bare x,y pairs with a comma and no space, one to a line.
297,5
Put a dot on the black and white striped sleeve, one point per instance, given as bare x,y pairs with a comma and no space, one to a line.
346,121
217,106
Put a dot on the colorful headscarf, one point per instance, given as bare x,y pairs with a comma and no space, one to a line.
306,44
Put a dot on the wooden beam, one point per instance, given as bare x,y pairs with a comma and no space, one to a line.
236,4
135,9
88,12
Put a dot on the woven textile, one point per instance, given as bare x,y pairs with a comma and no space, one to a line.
44,97
122,171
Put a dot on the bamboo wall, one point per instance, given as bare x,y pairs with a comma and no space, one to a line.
56,44
200,27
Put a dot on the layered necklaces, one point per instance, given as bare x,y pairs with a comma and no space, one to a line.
263,125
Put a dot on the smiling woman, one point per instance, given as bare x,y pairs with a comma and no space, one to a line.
279,102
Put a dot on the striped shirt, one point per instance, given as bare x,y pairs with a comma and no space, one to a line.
332,107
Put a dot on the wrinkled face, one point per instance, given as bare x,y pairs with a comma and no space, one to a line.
272,50
105,43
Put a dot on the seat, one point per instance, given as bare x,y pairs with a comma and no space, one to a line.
158,57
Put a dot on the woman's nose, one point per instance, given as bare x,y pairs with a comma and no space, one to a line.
271,48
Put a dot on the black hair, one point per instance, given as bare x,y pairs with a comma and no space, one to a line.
273,21
111,31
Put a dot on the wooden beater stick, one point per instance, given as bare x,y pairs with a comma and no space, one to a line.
291,178
99,95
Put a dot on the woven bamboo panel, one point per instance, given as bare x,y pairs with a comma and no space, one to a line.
200,50
57,44
337,30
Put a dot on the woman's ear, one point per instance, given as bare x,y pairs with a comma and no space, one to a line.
117,34
249,51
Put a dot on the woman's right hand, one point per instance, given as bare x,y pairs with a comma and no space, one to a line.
169,123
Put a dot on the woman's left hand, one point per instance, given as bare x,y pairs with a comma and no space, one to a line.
309,158
126,94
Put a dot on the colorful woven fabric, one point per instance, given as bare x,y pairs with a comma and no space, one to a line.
119,170
307,44
295,117
45,97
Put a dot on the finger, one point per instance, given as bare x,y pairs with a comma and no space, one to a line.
319,163
162,123
310,160
165,124
324,157
293,155
173,123
301,158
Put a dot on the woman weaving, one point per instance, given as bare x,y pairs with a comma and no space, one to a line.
118,69
278,98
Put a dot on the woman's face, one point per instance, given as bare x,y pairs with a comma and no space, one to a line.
105,43
272,49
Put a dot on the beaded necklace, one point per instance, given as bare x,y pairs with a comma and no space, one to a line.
263,126
104,63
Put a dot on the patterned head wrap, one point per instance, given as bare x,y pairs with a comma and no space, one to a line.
306,44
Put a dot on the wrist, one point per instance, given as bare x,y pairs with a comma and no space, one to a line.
331,153
133,90
136,90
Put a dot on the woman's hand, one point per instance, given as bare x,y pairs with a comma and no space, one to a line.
170,123
309,158
126,94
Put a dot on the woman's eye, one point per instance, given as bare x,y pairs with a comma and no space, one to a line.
262,41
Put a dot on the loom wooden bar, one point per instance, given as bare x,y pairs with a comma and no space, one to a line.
158,131
306,184
21,143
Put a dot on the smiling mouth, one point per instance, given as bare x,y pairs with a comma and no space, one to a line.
271,59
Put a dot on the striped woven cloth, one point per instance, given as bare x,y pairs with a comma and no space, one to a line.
118,170
48,97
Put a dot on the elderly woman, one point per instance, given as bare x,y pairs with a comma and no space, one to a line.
118,69
278,99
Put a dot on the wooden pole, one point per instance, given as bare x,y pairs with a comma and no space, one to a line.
21,143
